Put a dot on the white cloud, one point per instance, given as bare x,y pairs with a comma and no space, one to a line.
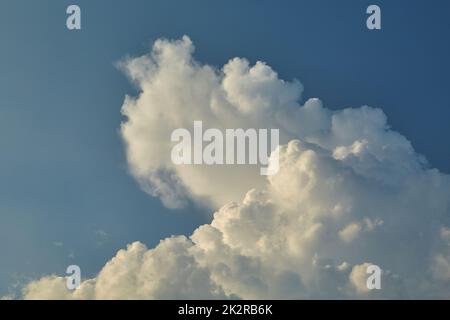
349,190
175,90
350,232
358,278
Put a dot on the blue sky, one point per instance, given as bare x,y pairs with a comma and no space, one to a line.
63,176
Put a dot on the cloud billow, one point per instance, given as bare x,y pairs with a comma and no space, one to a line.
350,192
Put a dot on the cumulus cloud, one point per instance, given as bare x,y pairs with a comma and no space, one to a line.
350,192
176,90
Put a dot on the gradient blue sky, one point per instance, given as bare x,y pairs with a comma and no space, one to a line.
63,177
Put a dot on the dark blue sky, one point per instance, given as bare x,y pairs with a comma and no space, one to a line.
63,176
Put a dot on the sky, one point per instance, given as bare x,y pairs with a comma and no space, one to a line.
66,192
